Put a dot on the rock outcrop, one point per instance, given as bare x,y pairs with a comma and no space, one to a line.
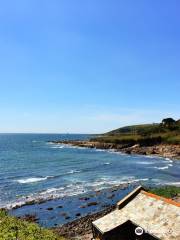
163,150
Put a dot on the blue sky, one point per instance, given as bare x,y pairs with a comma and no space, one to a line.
88,66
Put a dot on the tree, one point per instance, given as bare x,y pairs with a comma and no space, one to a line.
168,122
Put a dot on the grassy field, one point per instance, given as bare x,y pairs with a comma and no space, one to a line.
12,228
147,134
167,191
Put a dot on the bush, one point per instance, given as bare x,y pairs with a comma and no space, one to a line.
149,141
167,191
12,228
173,139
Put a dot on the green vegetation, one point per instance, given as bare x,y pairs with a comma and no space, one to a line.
167,191
12,228
168,131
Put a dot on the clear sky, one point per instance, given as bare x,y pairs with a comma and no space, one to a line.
88,65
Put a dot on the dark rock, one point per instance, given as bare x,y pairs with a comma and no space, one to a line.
114,190
49,208
64,214
128,151
111,196
78,214
84,198
144,153
82,225
30,217
105,205
30,202
92,204
41,201
83,206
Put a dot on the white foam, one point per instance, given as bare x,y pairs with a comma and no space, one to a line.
49,194
170,165
50,191
99,150
58,147
70,190
145,162
114,151
32,180
139,180
106,182
77,147
169,160
148,156
73,171
162,168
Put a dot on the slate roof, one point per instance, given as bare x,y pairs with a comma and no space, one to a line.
158,216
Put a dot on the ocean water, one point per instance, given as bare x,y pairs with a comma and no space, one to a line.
32,168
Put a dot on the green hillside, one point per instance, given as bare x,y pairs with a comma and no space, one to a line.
168,131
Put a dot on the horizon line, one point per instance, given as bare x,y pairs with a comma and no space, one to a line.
47,133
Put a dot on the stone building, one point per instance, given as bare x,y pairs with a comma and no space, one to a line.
140,215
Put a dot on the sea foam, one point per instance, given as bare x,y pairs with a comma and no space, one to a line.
162,168
70,189
32,179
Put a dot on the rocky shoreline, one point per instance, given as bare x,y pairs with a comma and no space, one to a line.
81,228
161,150
58,212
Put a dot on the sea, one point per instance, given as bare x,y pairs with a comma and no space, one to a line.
32,168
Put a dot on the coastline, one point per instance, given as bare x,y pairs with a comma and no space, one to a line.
80,227
40,199
159,150
71,216
57,212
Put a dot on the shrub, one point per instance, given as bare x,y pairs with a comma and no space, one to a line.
167,191
12,228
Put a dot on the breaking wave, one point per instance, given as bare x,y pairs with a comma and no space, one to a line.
65,146
72,189
169,160
32,179
145,162
57,147
73,171
164,167
39,179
